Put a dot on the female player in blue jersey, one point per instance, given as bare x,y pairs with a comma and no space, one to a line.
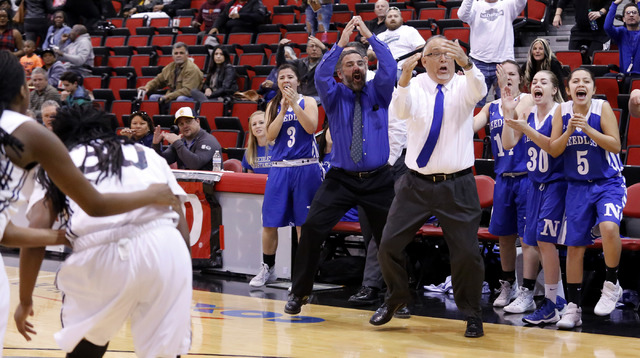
509,197
295,172
256,157
586,131
545,202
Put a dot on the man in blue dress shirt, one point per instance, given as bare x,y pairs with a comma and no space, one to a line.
359,174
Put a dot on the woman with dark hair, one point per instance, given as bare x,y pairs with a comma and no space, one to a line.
10,38
134,265
541,57
55,31
221,78
141,129
295,173
25,143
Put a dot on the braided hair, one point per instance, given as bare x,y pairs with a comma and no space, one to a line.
12,79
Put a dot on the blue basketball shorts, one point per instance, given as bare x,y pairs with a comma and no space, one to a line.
288,194
509,205
591,202
545,212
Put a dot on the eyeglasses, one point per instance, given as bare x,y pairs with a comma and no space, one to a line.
393,8
139,113
631,12
438,54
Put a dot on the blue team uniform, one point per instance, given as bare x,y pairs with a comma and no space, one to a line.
545,202
295,174
263,160
596,189
512,183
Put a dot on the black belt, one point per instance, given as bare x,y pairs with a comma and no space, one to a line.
362,175
441,177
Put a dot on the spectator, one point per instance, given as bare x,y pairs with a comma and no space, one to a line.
221,78
208,14
54,68
36,14
401,39
305,67
73,93
48,111
240,16
541,57
627,38
55,31
76,55
181,76
584,33
42,90
87,12
318,16
193,148
30,60
378,24
170,7
140,129
10,38
491,37
138,6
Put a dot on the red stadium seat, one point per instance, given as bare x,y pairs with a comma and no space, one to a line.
228,138
573,59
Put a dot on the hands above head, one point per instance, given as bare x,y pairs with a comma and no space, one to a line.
362,27
453,50
501,74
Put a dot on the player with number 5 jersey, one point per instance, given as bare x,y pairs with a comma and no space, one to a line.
586,131
545,202
295,172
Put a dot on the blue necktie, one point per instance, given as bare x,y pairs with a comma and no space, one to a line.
356,139
434,132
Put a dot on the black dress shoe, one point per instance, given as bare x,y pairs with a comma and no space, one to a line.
474,328
295,303
367,295
384,314
403,313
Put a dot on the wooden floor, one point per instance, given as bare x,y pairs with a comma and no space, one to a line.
227,325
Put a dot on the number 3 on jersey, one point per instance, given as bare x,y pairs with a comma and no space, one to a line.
540,161
291,132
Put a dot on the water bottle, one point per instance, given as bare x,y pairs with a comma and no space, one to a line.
593,23
217,161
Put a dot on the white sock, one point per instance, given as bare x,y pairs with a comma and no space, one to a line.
551,292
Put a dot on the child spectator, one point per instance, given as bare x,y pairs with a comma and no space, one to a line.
30,60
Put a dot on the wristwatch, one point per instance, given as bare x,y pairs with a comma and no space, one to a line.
468,66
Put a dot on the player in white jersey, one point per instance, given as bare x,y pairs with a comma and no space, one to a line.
132,265
586,131
25,143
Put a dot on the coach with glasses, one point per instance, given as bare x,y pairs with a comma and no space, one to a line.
438,107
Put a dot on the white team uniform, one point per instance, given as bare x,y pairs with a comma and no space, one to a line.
12,181
128,265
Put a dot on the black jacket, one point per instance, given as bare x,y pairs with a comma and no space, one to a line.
253,13
226,84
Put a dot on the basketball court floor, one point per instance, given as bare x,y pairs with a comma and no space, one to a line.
231,319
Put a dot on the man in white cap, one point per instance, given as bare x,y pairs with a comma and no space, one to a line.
193,148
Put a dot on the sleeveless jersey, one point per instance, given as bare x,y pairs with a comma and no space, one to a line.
506,161
141,167
583,158
542,167
293,142
12,177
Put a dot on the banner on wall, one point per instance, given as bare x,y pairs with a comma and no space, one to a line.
204,216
